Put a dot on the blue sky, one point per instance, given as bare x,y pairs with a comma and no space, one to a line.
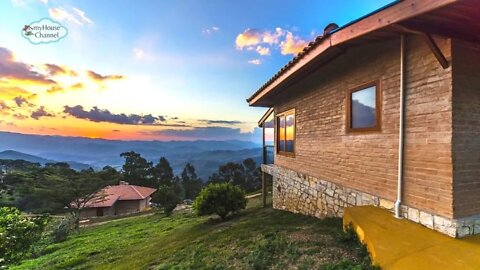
182,60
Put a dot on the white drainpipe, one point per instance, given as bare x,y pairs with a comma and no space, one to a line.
400,132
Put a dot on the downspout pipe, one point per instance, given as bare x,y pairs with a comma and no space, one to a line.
400,130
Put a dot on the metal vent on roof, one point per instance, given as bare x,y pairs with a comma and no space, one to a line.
329,28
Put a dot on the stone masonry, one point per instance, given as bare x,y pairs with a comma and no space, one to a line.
304,194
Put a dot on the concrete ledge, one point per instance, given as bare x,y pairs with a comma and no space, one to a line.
398,244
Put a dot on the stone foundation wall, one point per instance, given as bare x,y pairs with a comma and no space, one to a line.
304,194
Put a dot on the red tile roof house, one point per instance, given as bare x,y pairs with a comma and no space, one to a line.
384,111
118,200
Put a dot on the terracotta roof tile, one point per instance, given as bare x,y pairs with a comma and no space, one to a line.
119,193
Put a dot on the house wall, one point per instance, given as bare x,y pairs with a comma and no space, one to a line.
466,129
126,207
367,162
92,212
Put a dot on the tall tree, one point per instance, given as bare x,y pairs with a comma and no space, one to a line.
162,173
252,175
190,182
137,170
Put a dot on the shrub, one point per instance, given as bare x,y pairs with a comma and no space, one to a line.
167,197
221,199
61,230
18,234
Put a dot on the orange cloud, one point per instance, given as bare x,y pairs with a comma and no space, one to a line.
292,44
11,69
263,50
97,77
55,70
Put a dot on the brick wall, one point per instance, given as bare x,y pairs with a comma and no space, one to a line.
466,128
368,161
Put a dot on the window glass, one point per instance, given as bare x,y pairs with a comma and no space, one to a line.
281,133
363,108
290,133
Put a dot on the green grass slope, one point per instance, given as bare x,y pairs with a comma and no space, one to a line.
260,238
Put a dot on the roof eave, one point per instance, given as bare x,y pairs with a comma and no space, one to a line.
393,13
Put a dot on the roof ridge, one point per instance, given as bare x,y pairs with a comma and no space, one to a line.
138,192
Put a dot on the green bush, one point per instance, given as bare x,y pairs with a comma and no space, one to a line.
167,198
18,234
221,199
61,229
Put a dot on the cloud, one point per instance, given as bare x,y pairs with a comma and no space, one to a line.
249,37
292,44
263,50
55,70
54,89
4,107
99,115
41,112
77,16
20,116
77,86
20,101
211,30
226,122
255,61
82,15
11,69
97,77
209,133
138,53
263,41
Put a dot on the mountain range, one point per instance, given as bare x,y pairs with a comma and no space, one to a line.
82,153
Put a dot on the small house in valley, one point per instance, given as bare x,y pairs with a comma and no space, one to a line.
383,111
118,200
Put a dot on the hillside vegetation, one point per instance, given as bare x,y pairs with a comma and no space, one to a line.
259,238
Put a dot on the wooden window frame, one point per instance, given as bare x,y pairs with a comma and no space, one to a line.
378,108
277,135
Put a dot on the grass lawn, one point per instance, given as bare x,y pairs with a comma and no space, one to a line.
259,238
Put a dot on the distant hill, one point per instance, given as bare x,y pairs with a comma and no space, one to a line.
205,155
13,155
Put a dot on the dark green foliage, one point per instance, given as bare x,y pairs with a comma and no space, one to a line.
162,173
270,250
190,182
61,229
221,199
18,234
137,170
168,197
246,175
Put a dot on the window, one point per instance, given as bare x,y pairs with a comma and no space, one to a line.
364,108
286,132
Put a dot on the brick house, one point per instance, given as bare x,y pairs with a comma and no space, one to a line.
384,111
118,200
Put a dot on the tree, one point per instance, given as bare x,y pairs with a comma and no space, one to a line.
221,199
252,175
168,197
18,234
137,170
162,173
70,189
190,182
230,173
246,175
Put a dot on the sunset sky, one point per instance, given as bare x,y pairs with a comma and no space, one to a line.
152,70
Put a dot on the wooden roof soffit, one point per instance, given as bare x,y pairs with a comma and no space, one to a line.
265,117
430,42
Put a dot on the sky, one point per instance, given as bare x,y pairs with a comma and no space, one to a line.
153,70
